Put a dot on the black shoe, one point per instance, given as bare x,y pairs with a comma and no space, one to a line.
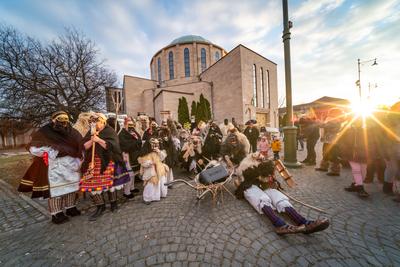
351,188
387,188
114,206
397,199
361,192
135,191
59,218
72,212
99,211
321,169
130,196
333,174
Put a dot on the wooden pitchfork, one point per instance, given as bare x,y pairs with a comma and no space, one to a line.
90,171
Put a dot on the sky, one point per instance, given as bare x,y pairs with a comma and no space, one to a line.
328,36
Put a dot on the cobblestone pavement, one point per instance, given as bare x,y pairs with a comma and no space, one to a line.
179,231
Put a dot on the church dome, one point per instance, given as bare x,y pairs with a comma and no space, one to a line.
189,39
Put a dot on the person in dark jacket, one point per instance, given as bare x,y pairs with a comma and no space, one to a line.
106,171
130,143
310,130
376,163
252,134
212,143
354,148
391,144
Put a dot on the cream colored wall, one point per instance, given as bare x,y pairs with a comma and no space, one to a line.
227,92
248,58
169,101
139,95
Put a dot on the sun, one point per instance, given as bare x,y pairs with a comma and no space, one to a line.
362,108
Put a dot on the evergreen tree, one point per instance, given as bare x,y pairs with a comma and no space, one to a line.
185,111
180,112
208,109
194,109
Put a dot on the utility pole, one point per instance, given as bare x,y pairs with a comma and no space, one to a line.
290,131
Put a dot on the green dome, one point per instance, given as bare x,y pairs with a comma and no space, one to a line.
189,39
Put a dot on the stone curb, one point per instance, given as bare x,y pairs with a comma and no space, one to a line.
37,206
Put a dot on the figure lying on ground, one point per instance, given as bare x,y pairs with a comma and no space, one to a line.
260,189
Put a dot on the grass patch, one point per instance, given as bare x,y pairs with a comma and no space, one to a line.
13,168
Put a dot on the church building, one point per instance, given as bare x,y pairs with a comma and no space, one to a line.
239,84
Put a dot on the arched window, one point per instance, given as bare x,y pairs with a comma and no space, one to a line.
187,62
203,59
159,69
267,92
254,101
171,65
217,56
262,87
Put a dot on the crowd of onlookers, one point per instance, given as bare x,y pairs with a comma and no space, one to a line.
369,145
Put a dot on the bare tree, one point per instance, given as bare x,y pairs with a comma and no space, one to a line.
37,79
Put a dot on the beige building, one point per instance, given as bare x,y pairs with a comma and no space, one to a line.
240,84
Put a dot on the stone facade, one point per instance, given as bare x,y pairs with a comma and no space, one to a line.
227,82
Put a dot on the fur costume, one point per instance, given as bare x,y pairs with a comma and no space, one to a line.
154,172
235,152
191,154
212,143
259,188
82,125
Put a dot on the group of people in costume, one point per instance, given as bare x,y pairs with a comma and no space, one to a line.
100,158
368,144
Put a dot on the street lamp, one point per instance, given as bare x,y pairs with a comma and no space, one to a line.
290,131
359,63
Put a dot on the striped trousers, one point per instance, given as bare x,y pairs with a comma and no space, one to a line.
58,204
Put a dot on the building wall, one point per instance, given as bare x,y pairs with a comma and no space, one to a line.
168,100
139,95
225,76
248,59
179,67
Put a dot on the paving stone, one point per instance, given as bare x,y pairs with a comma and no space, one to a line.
179,231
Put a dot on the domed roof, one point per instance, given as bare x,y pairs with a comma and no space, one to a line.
189,39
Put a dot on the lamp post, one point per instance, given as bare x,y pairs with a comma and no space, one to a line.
290,131
359,63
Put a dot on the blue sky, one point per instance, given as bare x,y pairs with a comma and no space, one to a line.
327,38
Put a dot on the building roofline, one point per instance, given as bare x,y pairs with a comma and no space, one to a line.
256,53
182,44
136,77
216,62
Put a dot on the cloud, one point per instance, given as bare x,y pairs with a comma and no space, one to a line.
327,38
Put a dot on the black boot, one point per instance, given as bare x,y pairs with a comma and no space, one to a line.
361,192
59,218
73,212
387,188
351,188
114,206
99,211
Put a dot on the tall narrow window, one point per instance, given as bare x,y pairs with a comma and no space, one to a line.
159,69
267,92
217,56
254,86
203,59
186,61
262,88
171,65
